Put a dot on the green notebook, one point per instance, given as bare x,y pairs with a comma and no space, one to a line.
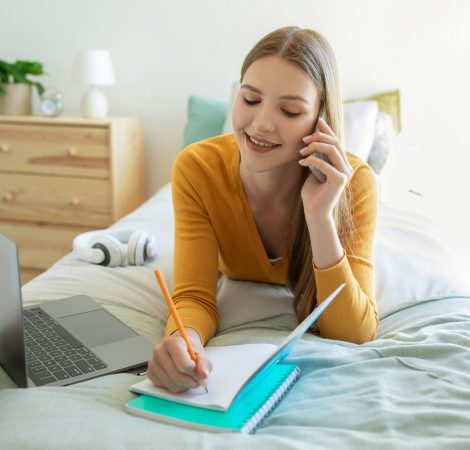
244,415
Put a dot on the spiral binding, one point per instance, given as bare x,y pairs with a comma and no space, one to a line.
276,396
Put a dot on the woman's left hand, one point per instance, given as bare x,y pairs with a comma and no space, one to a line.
319,199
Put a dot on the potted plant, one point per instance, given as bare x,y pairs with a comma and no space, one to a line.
15,86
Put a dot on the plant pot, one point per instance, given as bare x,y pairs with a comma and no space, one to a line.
17,101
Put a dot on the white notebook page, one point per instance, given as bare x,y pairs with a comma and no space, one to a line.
231,367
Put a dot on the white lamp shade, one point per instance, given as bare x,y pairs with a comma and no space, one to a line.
93,67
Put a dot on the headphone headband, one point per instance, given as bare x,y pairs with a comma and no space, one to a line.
115,247
84,239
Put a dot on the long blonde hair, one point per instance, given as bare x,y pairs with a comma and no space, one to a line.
311,52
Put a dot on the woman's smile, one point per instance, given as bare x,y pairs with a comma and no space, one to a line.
258,145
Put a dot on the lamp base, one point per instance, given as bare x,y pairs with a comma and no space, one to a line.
94,104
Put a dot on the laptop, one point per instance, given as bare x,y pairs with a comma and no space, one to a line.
60,342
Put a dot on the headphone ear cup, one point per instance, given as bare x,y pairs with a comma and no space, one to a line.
141,248
113,249
136,248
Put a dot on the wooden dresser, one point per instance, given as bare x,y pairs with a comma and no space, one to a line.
62,176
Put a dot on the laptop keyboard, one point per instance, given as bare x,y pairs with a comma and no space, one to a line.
52,353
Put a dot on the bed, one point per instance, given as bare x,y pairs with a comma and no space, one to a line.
408,388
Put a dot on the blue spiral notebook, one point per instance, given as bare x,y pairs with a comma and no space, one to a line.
245,414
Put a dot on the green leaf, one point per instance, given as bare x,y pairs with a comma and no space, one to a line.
4,71
18,71
29,67
39,87
18,75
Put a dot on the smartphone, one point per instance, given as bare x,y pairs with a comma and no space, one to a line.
319,175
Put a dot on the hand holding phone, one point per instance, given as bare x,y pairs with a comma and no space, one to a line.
319,200
319,175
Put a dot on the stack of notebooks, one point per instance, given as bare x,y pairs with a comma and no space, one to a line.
246,384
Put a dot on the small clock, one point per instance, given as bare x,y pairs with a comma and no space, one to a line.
51,103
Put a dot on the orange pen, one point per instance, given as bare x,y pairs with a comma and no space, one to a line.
176,316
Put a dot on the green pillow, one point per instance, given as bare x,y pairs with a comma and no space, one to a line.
206,118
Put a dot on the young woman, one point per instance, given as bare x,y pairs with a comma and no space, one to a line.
247,205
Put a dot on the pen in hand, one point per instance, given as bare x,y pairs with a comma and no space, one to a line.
178,321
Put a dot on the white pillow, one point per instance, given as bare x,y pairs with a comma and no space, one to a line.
359,127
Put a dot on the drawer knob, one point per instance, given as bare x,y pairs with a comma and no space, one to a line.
8,196
72,151
75,202
4,148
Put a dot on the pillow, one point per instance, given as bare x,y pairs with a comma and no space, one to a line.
359,127
389,103
205,118
384,142
387,128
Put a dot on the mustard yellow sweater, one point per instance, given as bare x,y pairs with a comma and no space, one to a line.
215,231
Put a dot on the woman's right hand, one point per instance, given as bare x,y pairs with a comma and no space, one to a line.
171,366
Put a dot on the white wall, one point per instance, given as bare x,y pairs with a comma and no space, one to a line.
165,51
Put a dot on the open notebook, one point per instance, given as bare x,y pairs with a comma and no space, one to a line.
244,415
233,367
236,370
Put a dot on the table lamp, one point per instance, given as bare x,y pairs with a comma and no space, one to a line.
94,67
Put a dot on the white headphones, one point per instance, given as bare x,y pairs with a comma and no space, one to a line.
106,247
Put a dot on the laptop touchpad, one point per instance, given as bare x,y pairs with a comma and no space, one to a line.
96,328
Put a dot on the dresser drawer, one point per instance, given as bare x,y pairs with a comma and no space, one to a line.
27,275
62,150
40,246
55,199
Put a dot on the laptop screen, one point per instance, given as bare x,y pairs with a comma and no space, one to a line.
12,352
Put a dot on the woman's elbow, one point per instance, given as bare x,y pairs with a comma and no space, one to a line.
355,335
